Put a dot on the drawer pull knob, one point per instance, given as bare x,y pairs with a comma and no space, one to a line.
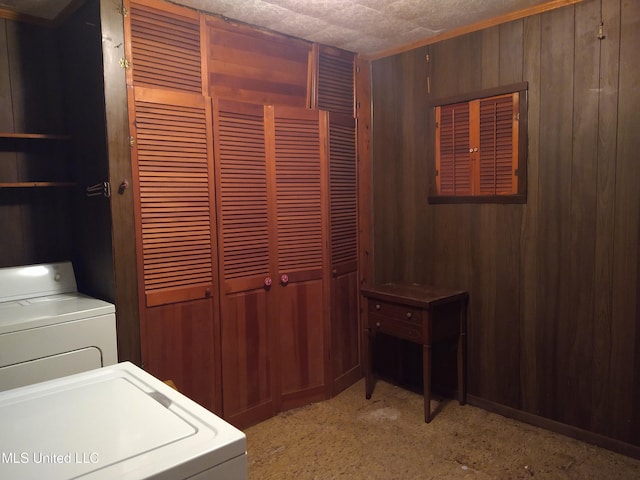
408,314
377,306
378,324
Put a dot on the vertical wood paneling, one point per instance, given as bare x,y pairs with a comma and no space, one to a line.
10,212
554,283
626,230
30,87
604,217
506,245
386,165
530,374
554,204
119,152
577,343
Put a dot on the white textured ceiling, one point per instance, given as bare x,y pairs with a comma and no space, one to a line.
363,26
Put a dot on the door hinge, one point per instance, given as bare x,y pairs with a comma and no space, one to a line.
124,63
601,35
132,141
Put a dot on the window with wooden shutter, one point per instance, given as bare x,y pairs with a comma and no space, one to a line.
480,148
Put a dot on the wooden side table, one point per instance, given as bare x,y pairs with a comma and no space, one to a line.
409,311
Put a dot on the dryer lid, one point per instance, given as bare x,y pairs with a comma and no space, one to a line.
17,283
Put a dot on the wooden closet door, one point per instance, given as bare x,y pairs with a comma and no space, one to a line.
247,333
298,147
172,165
343,193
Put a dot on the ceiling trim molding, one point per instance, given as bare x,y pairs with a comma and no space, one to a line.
474,27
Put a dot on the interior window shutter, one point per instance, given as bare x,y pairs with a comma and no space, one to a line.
173,164
498,150
242,183
165,47
453,161
343,190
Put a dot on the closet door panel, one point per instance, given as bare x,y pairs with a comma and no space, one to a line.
343,193
172,167
247,369
299,149
243,211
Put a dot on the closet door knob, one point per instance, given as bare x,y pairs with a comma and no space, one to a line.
267,282
284,279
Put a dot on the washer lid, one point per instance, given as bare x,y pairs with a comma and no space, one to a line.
36,312
113,422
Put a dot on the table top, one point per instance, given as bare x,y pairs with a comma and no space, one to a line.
415,294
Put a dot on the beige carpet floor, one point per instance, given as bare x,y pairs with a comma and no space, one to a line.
385,438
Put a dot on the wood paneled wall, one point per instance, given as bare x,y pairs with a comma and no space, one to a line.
33,228
555,283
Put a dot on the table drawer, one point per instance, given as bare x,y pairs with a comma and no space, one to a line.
396,320
396,311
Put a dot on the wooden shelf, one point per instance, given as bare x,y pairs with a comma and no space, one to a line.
35,136
36,184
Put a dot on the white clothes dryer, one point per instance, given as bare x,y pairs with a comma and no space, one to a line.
48,329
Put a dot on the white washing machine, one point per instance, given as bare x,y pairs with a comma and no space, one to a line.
115,422
48,329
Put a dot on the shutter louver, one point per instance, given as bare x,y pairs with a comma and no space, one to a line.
165,49
343,189
243,190
173,169
497,146
454,169
298,186
335,80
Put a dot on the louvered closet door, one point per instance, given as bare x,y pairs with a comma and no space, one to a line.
345,353
243,211
336,80
172,166
164,46
299,150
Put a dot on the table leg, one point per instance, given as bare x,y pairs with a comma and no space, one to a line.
367,345
462,355
426,379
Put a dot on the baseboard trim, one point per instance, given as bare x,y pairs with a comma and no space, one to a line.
557,427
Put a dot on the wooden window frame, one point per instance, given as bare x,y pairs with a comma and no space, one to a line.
471,103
